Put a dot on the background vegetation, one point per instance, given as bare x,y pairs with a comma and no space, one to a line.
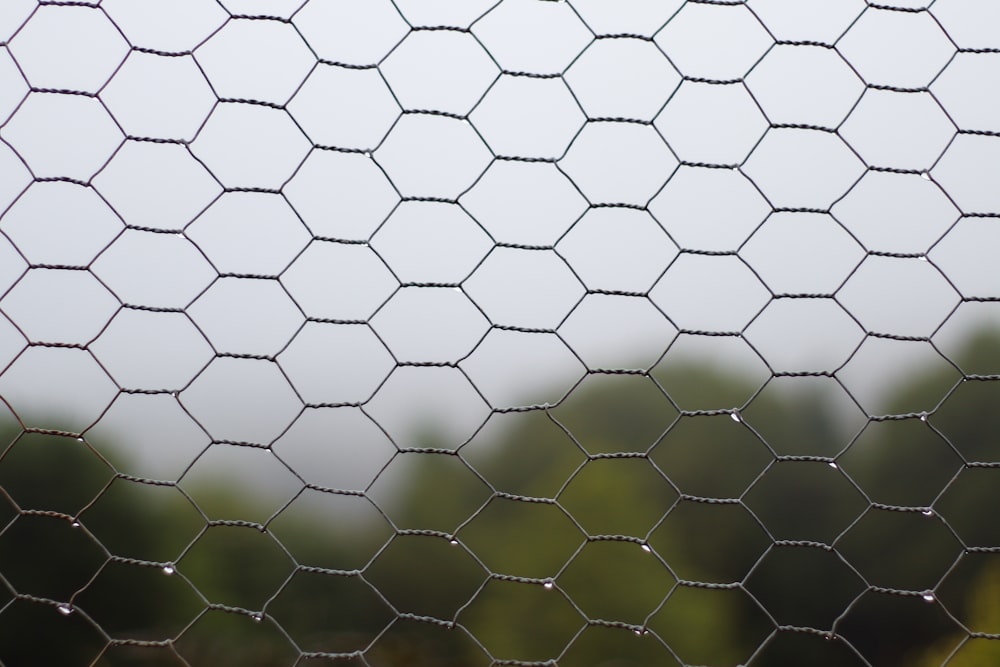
610,531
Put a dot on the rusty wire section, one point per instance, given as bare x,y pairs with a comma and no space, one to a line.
257,268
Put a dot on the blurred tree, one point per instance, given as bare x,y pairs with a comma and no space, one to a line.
592,546
619,528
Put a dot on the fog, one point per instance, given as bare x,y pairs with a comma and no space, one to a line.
346,235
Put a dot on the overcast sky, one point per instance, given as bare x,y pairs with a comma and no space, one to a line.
537,189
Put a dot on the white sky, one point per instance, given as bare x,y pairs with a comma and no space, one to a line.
106,221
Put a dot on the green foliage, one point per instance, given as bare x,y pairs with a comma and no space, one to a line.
562,536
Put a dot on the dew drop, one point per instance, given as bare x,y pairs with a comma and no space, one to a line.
168,570
640,632
923,416
928,512
928,597
548,585
453,542
257,618
925,175
74,524
646,548
79,438
736,416
65,609
832,464
368,153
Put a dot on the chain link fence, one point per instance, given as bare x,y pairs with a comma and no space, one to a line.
499,332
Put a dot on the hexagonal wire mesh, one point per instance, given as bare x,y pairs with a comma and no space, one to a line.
499,332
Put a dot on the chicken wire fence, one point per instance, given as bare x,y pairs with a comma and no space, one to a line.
518,332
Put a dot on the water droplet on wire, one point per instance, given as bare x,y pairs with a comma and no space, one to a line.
168,570
647,548
548,585
928,597
65,609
